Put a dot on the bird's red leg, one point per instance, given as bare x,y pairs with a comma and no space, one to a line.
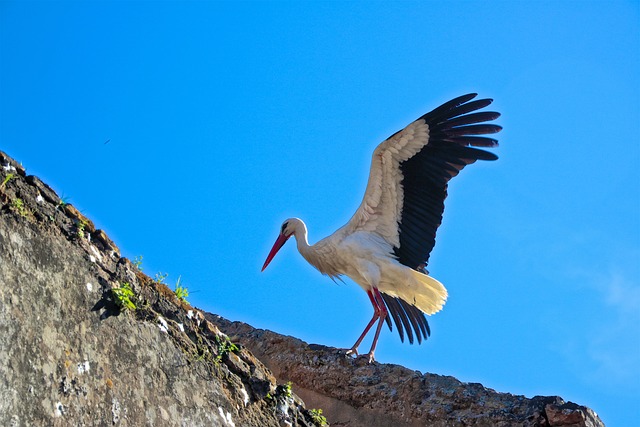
376,315
382,313
379,314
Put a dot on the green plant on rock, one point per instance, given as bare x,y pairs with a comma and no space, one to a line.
80,226
137,262
6,179
286,389
64,201
160,278
283,390
318,418
224,346
181,291
123,296
18,206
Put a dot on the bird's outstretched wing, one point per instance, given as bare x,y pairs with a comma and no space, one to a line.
407,186
404,199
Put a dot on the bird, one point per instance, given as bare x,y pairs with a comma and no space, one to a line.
385,246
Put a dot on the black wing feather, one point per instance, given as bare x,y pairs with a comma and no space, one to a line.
452,134
459,109
483,116
453,131
407,317
473,130
397,311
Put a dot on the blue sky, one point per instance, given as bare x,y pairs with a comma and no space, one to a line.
224,119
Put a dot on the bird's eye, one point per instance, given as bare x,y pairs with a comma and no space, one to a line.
284,227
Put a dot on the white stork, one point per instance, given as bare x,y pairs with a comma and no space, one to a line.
385,246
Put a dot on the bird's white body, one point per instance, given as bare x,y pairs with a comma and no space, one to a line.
364,257
385,246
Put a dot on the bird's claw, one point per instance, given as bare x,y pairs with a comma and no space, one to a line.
354,351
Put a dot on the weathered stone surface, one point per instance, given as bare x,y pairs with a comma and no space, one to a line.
71,355
570,415
354,393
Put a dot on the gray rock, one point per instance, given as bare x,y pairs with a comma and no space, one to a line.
354,393
71,355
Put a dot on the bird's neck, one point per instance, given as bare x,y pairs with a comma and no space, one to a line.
304,248
301,240
314,254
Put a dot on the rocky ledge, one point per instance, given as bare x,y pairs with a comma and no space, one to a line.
353,392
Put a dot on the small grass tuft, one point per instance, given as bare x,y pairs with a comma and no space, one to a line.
181,291
6,179
64,201
137,262
160,278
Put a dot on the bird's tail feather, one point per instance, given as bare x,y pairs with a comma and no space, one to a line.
429,296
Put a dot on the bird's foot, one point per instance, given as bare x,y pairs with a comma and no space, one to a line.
352,350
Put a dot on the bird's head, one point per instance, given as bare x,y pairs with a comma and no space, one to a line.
287,230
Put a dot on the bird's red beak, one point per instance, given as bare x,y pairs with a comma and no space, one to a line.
280,241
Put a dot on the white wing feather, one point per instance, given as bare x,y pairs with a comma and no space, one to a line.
381,206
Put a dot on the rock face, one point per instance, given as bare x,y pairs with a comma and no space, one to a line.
87,339
71,354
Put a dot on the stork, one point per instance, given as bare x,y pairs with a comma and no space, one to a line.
385,246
